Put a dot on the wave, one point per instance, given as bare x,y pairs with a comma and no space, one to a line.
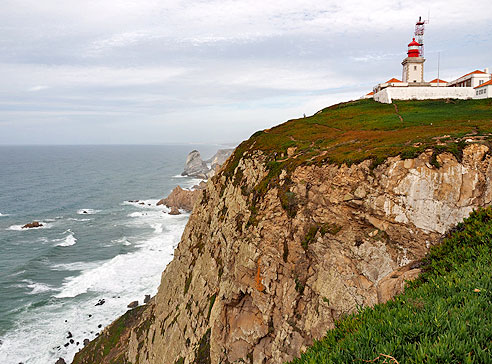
38,287
75,219
87,211
123,240
68,240
76,266
150,203
3,215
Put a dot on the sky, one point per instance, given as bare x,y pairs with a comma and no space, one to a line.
205,71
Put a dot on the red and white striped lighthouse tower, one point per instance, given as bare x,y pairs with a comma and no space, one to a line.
413,65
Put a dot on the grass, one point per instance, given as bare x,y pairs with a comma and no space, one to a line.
355,131
444,316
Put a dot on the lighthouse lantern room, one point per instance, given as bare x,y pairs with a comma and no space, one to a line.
413,65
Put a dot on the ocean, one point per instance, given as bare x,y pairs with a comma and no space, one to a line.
94,244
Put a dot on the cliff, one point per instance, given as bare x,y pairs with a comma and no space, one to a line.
304,223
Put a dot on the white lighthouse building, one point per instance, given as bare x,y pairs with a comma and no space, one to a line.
412,86
413,65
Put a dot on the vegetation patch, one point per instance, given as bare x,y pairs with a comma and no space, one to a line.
212,301
202,353
109,347
442,317
188,282
311,234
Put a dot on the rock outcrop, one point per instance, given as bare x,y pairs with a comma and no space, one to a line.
34,224
182,199
256,278
196,167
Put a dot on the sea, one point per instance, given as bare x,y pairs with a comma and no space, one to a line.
98,249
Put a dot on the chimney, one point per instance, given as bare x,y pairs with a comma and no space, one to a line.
486,70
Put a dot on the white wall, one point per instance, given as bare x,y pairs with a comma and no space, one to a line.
487,92
423,93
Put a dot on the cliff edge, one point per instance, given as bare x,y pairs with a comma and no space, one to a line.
305,223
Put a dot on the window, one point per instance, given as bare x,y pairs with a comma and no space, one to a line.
480,82
415,68
477,92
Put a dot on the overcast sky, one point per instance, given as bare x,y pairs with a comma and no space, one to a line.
169,71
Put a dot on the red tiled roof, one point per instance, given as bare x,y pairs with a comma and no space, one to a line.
435,81
370,93
485,84
471,73
392,80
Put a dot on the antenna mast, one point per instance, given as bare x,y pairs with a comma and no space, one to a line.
419,34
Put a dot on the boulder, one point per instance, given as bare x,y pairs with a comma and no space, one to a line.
181,199
69,336
195,166
147,298
86,342
61,361
174,211
101,302
34,224
133,304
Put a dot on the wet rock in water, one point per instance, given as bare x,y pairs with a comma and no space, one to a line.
77,343
90,315
86,342
101,302
174,211
65,345
99,326
34,224
133,304
61,361
147,298
72,341
84,212
69,335
141,203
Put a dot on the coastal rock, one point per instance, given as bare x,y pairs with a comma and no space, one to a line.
219,158
195,166
259,279
34,224
101,302
86,342
147,298
133,304
60,361
174,211
181,199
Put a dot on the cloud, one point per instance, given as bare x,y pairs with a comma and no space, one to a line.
180,70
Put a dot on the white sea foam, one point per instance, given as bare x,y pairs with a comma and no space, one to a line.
2,215
87,211
76,266
75,219
123,240
67,240
40,333
37,287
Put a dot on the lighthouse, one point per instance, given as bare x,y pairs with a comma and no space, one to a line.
413,65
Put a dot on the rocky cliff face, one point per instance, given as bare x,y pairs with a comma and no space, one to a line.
262,272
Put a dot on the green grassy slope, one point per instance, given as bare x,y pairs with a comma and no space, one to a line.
357,130
443,317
